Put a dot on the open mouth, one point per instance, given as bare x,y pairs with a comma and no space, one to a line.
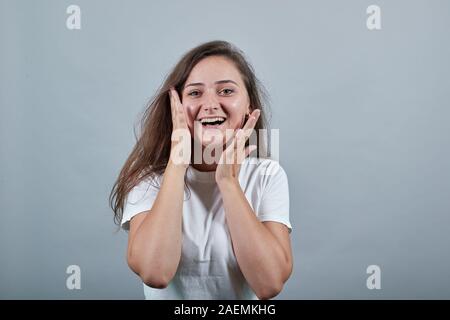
212,122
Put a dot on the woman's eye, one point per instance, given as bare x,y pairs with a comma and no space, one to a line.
193,93
227,91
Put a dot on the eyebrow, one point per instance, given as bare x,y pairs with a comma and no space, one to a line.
217,82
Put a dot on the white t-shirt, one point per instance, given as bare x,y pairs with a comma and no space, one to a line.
208,268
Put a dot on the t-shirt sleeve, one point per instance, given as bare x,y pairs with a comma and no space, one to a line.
274,205
139,199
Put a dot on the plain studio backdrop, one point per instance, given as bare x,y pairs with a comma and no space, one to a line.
364,136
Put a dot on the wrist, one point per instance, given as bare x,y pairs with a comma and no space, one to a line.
226,184
177,169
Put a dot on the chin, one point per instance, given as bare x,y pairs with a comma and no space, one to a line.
216,142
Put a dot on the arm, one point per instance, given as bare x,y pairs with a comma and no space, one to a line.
154,241
262,250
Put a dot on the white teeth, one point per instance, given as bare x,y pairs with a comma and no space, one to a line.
209,120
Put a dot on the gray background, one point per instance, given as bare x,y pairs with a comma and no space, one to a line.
363,118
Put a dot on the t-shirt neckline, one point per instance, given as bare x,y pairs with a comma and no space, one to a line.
204,176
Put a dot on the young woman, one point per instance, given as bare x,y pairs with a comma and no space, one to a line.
202,228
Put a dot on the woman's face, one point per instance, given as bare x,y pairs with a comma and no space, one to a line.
215,99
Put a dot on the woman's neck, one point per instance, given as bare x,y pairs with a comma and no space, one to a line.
203,165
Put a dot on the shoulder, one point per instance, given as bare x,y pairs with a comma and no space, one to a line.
144,187
139,199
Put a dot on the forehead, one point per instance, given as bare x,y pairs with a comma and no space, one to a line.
214,68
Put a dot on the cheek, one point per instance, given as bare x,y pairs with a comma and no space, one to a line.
236,113
235,121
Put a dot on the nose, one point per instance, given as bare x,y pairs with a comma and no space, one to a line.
209,102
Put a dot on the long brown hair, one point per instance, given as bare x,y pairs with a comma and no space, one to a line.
150,155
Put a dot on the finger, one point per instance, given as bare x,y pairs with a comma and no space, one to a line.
252,119
243,153
181,113
172,107
176,96
228,155
176,100
250,149
182,116
242,137
170,102
249,126
230,136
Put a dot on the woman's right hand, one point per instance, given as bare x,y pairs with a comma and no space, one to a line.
180,151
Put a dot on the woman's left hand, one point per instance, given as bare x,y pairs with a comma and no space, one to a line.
230,161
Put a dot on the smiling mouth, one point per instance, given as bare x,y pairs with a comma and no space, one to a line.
212,122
